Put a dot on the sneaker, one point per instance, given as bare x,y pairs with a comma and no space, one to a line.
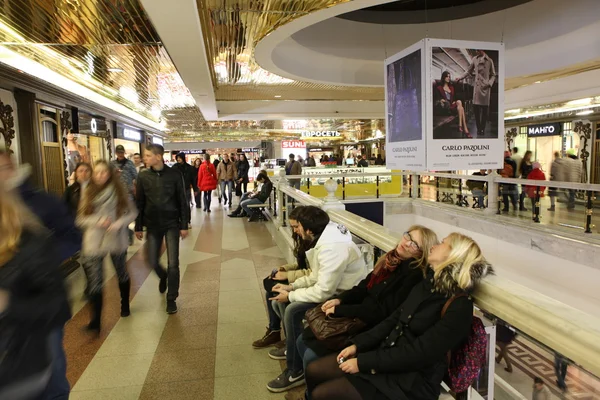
162,285
278,354
552,208
270,338
286,381
171,307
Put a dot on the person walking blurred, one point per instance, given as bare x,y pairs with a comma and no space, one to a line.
557,173
573,174
207,180
33,306
104,215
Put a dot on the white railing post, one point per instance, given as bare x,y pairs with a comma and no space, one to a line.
332,202
282,182
493,190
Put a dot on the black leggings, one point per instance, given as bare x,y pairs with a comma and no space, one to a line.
325,380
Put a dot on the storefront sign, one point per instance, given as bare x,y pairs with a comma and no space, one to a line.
551,129
293,144
157,140
249,150
91,124
320,134
175,152
127,133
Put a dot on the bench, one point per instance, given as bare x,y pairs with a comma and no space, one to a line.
261,210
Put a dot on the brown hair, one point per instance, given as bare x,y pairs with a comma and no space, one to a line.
93,190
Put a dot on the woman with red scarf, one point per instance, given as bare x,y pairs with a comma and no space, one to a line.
381,292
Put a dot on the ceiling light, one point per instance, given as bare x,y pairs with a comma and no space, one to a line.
277,96
513,111
537,82
580,102
171,114
586,112
115,69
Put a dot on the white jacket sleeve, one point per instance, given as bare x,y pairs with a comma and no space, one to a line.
305,281
331,268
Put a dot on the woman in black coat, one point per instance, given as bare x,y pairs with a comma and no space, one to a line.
382,291
72,196
33,302
243,169
404,357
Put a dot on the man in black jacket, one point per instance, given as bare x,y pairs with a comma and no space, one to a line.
163,210
187,172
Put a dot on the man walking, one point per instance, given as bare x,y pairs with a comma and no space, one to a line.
293,167
127,175
163,210
186,171
226,174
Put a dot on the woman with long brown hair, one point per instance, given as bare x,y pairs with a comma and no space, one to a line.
104,214
32,301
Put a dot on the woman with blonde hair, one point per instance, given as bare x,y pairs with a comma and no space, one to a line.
104,215
404,357
32,301
381,292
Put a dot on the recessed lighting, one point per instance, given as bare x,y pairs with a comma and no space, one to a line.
586,112
277,96
537,82
171,114
115,69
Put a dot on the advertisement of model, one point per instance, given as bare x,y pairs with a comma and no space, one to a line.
444,106
404,95
465,124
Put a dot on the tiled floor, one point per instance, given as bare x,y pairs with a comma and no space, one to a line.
202,352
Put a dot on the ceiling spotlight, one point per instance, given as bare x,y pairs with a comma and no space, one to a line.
115,69
277,96
537,82
171,114
586,112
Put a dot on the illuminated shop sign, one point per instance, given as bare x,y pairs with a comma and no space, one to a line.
157,140
127,133
320,134
293,144
551,129
90,124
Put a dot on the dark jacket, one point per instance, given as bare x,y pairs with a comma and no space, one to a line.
72,197
404,357
56,217
36,307
265,191
375,305
195,177
243,168
187,171
363,163
161,200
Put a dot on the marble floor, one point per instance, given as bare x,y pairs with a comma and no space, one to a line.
204,351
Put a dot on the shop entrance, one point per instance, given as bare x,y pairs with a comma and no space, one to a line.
543,149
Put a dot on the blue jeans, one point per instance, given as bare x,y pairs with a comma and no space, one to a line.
479,195
292,323
560,368
308,355
274,320
571,203
153,245
58,388
229,186
246,203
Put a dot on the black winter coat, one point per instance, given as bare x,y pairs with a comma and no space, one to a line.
161,200
265,191
187,171
36,307
375,305
243,168
404,357
72,197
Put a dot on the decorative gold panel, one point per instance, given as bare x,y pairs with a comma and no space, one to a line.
55,182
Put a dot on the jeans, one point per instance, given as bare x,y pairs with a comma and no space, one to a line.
197,196
207,199
246,203
560,368
479,195
229,186
571,203
292,323
239,207
94,271
153,245
308,355
509,190
274,320
58,388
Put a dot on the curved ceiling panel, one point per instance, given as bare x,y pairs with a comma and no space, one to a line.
542,35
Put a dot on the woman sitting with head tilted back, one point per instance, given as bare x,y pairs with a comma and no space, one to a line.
404,357
380,293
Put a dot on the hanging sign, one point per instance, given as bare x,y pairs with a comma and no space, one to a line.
550,129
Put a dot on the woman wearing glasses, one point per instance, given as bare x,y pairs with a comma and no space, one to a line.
381,292
404,357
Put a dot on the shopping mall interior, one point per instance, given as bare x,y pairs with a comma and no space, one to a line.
352,119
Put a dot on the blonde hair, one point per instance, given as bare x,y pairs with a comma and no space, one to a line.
428,240
464,255
14,218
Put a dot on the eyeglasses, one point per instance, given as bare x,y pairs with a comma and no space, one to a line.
411,242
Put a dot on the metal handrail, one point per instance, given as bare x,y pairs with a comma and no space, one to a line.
570,332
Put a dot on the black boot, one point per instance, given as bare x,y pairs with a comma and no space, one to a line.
96,303
124,288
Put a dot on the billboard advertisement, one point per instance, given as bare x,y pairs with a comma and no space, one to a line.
465,106
405,109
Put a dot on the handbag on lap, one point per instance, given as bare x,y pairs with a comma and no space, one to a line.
334,333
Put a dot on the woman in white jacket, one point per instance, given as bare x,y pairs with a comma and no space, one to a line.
104,214
337,265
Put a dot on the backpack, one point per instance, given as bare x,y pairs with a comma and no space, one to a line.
465,362
507,171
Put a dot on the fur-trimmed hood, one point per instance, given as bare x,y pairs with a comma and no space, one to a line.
446,282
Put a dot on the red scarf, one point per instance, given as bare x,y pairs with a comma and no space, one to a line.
385,267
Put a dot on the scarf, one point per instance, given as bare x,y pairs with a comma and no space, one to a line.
385,268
